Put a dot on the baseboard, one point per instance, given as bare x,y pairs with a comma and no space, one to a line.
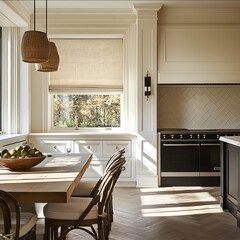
147,181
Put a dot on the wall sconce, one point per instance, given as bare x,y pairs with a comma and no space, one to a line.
147,86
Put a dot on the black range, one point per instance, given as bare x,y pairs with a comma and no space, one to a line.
191,157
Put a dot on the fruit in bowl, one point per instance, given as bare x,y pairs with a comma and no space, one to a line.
21,157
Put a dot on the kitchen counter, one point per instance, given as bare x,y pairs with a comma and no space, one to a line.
230,175
234,140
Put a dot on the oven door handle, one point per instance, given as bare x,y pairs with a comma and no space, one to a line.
181,144
210,144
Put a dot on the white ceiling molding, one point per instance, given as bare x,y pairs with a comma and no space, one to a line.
147,11
80,18
127,4
199,15
13,15
5,22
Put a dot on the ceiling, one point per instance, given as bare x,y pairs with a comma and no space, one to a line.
74,4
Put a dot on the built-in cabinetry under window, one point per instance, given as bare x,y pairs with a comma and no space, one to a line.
102,150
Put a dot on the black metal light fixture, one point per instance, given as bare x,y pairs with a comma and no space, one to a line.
147,84
53,59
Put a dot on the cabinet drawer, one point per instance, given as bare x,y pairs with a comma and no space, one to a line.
127,173
95,170
110,147
94,147
53,146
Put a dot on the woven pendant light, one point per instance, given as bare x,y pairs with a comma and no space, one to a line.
53,59
34,47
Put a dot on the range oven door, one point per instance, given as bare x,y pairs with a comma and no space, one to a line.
179,158
210,159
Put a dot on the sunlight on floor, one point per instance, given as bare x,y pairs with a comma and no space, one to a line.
181,211
177,201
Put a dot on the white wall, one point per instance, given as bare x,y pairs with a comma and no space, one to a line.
78,25
140,56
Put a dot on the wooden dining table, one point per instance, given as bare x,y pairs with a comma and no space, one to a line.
53,180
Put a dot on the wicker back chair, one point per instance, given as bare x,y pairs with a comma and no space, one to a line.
88,188
14,224
76,214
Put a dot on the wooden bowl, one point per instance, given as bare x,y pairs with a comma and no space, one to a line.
20,163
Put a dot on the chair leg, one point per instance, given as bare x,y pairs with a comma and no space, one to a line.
106,229
100,230
111,208
47,232
63,229
55,233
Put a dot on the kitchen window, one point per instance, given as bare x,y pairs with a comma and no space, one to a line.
86,110
87,89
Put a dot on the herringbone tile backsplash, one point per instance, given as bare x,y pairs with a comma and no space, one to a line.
199,107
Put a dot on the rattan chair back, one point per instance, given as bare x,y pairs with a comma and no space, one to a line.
105,189
8,205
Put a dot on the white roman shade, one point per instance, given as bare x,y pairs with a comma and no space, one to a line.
88,65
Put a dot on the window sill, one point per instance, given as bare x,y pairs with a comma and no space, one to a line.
6,139
86,134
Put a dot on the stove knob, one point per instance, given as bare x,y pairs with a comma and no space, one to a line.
217,136
191,135
172,136
181,136
198,136
164,136
204,136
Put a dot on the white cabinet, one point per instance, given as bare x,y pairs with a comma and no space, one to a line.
13,145
110,147
101,148
53,146
94,147
102,151
95,170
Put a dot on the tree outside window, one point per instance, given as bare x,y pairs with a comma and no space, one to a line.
72,110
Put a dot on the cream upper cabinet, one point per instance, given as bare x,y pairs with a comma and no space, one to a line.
198,53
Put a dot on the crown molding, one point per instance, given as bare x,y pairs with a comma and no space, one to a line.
5,22
76,17
199,14
152,6
16,11
146,11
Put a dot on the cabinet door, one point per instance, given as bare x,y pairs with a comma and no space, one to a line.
127,172
95,170
110,147
94,147
233,173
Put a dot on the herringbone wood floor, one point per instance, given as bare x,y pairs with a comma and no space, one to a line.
173,213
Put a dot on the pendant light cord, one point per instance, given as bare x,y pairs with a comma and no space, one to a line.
46,16
34,15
